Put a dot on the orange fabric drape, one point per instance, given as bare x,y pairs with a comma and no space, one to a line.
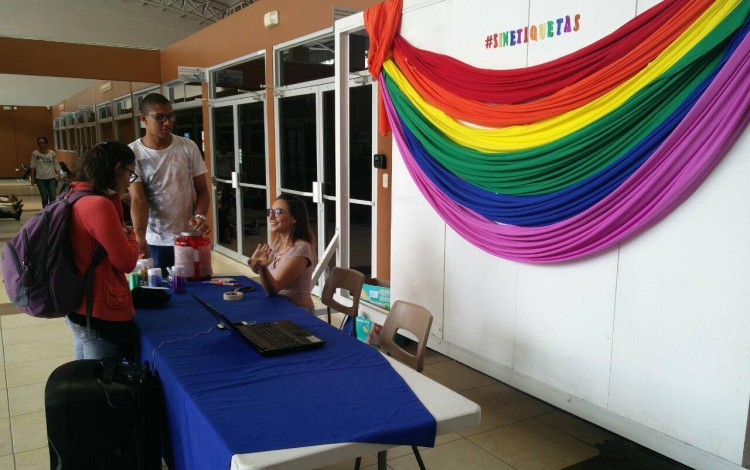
382,23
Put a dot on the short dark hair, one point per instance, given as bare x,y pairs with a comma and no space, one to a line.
99,164
298,210
41,138
151,100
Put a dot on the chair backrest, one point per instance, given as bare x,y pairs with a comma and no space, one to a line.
342,278
410,317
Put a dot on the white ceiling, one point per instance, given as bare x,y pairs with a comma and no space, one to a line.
107,22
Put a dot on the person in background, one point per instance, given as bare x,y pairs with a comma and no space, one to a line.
172,194
11,214
26,171
285,266
9,198
107,169
65,176
45,171
11,206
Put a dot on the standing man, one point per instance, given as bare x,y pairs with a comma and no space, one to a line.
45,171
171,193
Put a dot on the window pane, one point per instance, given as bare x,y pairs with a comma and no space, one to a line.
254,220
360,142
330,228
309,61
184,92
360,238
227,215
359,43
223,142
298,142
189,124
239,78
329,143
252,143
124,106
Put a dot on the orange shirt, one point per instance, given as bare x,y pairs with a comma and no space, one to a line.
99,220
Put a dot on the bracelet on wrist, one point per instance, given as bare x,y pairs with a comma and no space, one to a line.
199,216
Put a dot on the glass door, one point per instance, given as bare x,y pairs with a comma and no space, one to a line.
305,139
361,216
252,176
240,176
225,192
307,165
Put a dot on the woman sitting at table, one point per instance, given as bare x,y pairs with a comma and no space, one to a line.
107,169
285,266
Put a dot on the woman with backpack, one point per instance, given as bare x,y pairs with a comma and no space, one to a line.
106,170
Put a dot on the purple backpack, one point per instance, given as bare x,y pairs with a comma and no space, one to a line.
39,272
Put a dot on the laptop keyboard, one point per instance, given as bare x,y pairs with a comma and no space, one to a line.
271,333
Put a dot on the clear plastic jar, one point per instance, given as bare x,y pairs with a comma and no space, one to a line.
193,251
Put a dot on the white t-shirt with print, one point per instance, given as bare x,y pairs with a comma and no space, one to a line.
45,165
167,177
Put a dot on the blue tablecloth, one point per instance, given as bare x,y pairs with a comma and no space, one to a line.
224,398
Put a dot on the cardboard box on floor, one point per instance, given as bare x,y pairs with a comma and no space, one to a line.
377,292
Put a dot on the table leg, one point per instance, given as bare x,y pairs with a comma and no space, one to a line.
381,459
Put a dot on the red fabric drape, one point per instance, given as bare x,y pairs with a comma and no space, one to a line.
529,83
623,60
382,23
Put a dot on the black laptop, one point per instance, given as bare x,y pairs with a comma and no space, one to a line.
268,338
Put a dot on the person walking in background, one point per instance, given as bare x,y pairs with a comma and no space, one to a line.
172,193
45,171
285,266
107,170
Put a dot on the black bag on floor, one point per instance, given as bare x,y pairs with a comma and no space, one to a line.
103,414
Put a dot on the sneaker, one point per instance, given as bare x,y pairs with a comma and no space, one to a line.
17,214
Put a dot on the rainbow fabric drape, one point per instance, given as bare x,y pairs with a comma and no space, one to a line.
561,160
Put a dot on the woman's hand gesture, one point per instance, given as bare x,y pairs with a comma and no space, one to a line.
261,258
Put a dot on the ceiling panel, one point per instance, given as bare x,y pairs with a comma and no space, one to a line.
131,23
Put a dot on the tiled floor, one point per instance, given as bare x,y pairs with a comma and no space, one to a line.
517,431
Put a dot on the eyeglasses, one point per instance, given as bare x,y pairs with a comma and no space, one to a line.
133,174
163,117
274,212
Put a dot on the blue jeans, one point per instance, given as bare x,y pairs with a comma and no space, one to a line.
47,189
90,347
163,256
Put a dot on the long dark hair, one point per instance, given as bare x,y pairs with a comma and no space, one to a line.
298,210
98,165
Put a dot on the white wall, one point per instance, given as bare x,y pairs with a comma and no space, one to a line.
650,339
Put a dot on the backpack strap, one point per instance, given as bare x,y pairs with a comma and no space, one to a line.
88,284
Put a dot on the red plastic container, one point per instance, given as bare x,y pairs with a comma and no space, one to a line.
193,251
